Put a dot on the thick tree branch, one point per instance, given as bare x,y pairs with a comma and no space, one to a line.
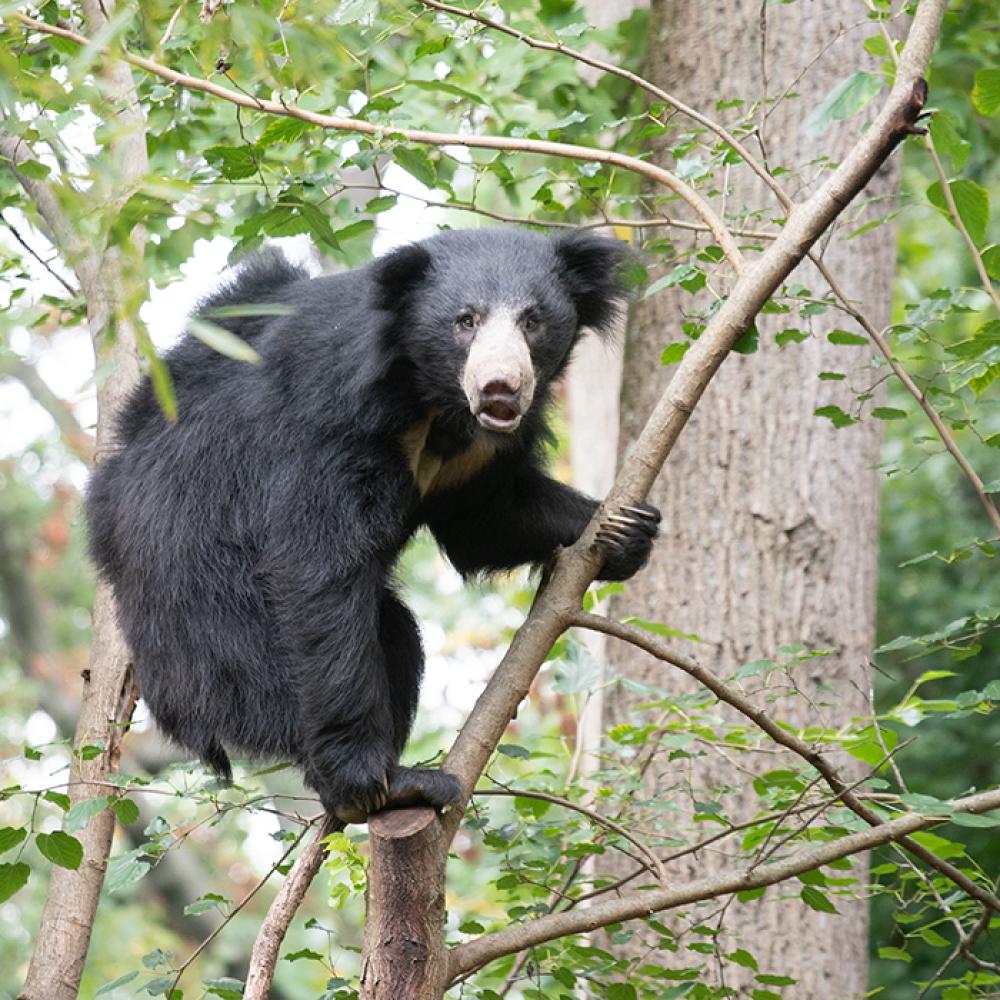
339,124
475,954
109,690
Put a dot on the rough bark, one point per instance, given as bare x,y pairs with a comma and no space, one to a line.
404,953
109,691
770,534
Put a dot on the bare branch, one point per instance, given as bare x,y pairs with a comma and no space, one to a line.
944,431
75,437
37,256
475,954
472,141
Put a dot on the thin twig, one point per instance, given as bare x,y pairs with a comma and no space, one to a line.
956,218
239,906
41,260
944,432
596,817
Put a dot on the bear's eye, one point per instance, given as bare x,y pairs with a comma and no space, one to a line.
530,321
466,321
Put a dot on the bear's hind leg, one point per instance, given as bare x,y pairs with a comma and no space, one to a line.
399,637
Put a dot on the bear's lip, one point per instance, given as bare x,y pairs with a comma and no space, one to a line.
499,414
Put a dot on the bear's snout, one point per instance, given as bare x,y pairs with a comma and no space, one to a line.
499,378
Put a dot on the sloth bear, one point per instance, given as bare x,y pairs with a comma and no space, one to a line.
251,543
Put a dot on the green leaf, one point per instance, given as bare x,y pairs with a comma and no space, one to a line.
986,91
948,140
888,413
60,848
283,130
790,337
991,260
12,878
125,810
972,201
742,957
83,812
976,820
847,98
620,991
222,340
432,46
417,164
233,162
816,900
835,415
660,629
769,980
673,353
11,836
126,869
303,953
981,383
846,337
748,341
513,750
60,799
33,169
159,986
893,954
115,983
226,987
381,204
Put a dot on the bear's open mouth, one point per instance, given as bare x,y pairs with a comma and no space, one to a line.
498,415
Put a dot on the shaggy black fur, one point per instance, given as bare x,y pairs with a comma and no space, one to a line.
251,543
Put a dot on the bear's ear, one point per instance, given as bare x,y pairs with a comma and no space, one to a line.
592,267
398,273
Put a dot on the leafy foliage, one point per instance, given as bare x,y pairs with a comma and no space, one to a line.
541,844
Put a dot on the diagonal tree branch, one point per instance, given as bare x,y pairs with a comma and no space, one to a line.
75,437
657,647
475,954
15,151
558,601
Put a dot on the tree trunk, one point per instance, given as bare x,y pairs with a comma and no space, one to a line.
770,514
109,690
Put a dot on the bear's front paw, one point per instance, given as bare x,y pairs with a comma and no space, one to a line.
413,786
627,539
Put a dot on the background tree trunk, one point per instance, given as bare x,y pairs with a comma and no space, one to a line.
770,514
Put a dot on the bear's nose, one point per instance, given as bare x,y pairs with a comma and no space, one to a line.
502,387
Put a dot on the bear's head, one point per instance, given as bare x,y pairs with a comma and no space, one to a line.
488,318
